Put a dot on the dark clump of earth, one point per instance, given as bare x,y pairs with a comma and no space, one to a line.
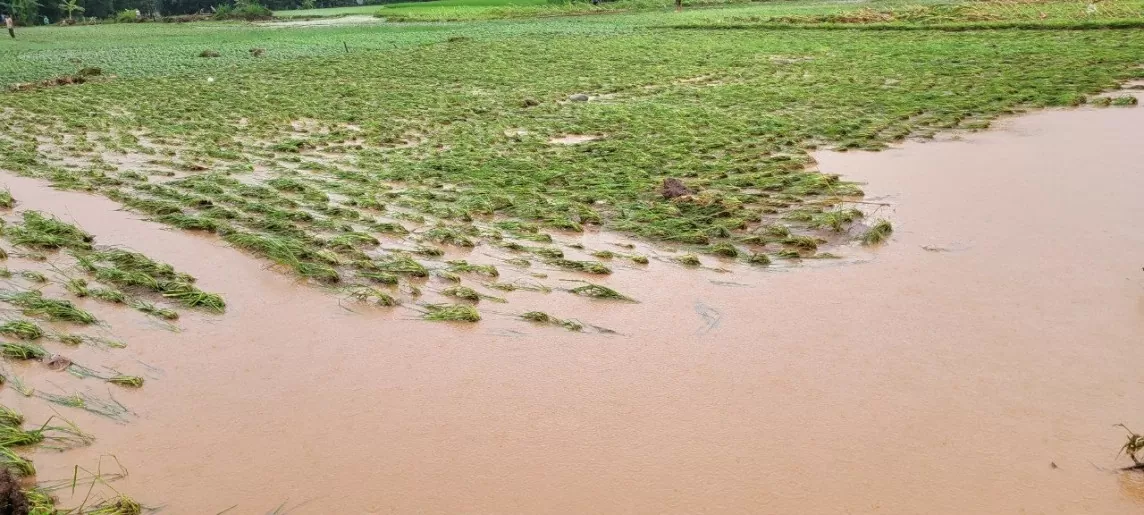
12,498
673,188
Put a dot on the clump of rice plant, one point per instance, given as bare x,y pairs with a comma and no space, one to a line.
877,233
33,276
723,249
17,464
10,417
351,240
451,313
801,242
462,266
372,295
402,265
428,251
461,292
379,277
1124,100
39,231
22,351
590,267
545,318
546,252
759,258
639,259
109,295
836,220
77,287
600,292
33,303
153,310
788,254
126,380
1134,444
446,275
21,329
688,260
603,254
6,200
118,505
448,236
190,296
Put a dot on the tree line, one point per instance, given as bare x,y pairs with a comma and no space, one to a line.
39,12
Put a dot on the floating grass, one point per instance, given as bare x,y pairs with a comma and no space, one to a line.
17,464
371,295
688,260
189,295
48,232
33,276
544,318
6,200
10,417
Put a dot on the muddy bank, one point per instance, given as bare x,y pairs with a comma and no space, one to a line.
997,334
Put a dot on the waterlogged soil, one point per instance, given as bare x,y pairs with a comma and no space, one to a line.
974,364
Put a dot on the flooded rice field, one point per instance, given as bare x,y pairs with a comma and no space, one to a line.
974,364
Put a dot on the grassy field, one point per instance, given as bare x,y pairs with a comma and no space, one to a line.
410,7
313,146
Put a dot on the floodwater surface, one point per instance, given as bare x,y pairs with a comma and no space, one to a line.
974,364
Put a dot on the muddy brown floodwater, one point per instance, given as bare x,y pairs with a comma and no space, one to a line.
1000,332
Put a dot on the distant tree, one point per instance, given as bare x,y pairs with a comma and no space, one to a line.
71,7
26,12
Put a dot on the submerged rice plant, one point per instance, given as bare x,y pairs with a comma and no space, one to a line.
451,313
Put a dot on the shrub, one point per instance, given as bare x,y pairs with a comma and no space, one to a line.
248,10
126,16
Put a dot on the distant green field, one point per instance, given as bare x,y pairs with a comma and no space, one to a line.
407,6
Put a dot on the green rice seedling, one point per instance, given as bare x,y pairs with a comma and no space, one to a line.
758,258
33,303
368,294
126,380
723,249
461,292
801,242
521,262
3,254
639,259
77,287
877,233
590,267
108,295
21,329
825,255
451,313
462,266
688,260
190,296
19,385
19,465
10,417
600,292
39,231
317,271
33,276
110,408
22,351
127,278
153,310
6,200
603,254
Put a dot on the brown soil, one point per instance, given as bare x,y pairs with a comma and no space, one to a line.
916,382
